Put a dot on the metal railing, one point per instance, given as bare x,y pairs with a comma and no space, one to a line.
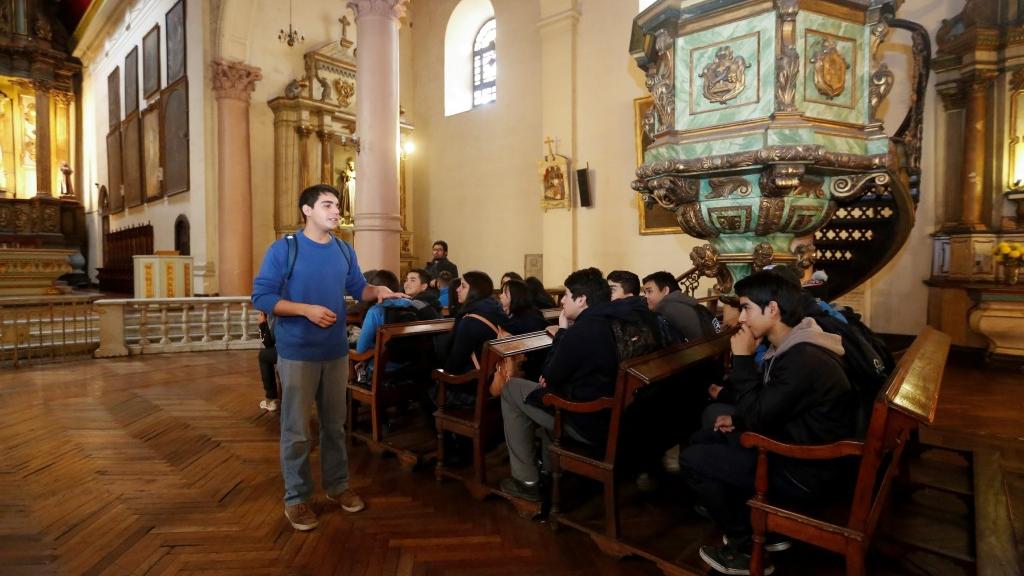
162,325
47,328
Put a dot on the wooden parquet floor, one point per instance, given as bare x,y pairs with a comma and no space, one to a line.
165,465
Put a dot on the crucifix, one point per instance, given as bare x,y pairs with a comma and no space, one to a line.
344,27
549,141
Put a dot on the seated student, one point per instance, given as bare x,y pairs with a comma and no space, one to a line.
523,315
417,286
268,362
581,366
680,309
444,281
510,276
390,311
623,284
801,395
539,294
476,297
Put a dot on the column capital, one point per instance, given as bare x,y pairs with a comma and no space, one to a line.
234,79
393,8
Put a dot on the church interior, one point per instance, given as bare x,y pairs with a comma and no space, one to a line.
152,150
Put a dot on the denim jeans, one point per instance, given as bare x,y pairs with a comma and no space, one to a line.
302,383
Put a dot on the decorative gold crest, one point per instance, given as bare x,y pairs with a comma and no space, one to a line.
829,69
725,77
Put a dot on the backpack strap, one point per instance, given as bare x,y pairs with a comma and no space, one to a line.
485,321
293,254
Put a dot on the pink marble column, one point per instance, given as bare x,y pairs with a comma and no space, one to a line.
233,83
377,219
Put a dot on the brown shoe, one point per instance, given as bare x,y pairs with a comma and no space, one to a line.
348,500
301,516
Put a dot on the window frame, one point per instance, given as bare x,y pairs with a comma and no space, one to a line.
481,53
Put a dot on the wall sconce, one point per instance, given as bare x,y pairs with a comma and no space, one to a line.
408,146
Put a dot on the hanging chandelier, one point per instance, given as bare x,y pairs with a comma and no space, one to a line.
292,36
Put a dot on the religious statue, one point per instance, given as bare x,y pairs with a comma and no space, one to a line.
554,183
347,187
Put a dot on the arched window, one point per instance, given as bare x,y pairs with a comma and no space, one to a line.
182,230
485,65
467,27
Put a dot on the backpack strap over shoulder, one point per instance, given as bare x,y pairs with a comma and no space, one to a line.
485,321
293,254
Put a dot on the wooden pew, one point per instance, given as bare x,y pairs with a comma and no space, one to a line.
378,396
484,421
908,400
633,374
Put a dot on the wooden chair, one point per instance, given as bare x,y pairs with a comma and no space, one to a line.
633,374
908,400
484,420
378,396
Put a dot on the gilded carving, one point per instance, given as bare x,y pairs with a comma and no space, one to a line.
806,256
670,192
847,188
781,179
787,69
705,260
725,187
829,68
810,187
731,219
878,33
769,216
882,80
345,90
661,82
763,256
691,219
725,77
802,219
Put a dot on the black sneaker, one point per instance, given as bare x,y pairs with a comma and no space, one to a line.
727,560
773,542
514,487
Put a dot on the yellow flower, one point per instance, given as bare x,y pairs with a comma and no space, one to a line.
1015,254
1015,246
1000,258
1004,248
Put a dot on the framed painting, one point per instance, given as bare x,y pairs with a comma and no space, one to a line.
114,98
131,82
653,220
132,159
115,193
151,62
152,174
174,24
174,136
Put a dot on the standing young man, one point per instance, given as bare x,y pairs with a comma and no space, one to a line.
312,346
440,262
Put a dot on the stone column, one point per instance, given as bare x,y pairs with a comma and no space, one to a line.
305,181
377,219
44,176
233,83
64,106
326,155
972,182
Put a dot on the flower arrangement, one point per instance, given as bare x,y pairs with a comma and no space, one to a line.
1011,256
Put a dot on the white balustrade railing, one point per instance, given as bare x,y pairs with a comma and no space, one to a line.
47,328
161,325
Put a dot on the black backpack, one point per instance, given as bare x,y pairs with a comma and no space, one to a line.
637,336
709,324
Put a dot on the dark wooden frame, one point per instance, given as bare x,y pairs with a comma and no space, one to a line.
115,171
152,114
166,96
131,81
909,399
114,98
633,374
131,160
171,27
151,62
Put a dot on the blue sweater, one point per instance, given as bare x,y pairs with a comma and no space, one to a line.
374,320
321,276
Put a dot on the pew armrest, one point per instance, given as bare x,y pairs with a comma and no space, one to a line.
803,452
560,403
443,377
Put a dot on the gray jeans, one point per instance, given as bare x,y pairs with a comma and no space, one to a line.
521,421
302,383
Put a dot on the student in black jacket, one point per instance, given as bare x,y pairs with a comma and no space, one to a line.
581,366
268,366
800,395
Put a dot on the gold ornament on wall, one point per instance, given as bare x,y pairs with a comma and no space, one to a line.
829,69
725,77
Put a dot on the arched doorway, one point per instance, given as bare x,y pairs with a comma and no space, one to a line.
181,235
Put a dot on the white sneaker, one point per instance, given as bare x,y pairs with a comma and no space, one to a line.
269,405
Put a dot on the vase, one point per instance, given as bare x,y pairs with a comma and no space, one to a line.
1011,274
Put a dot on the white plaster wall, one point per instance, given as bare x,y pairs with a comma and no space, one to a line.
120,32
475,173
899,298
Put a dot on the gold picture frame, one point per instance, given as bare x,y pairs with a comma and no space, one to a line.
653,220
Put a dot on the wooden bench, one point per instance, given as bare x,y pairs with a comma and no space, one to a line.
377,396
633,374
908,400
482,422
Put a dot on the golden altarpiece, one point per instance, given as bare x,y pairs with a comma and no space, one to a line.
42,222
979,67
315,141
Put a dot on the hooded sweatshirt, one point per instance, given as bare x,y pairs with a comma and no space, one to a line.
802,394
470,334
678,308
